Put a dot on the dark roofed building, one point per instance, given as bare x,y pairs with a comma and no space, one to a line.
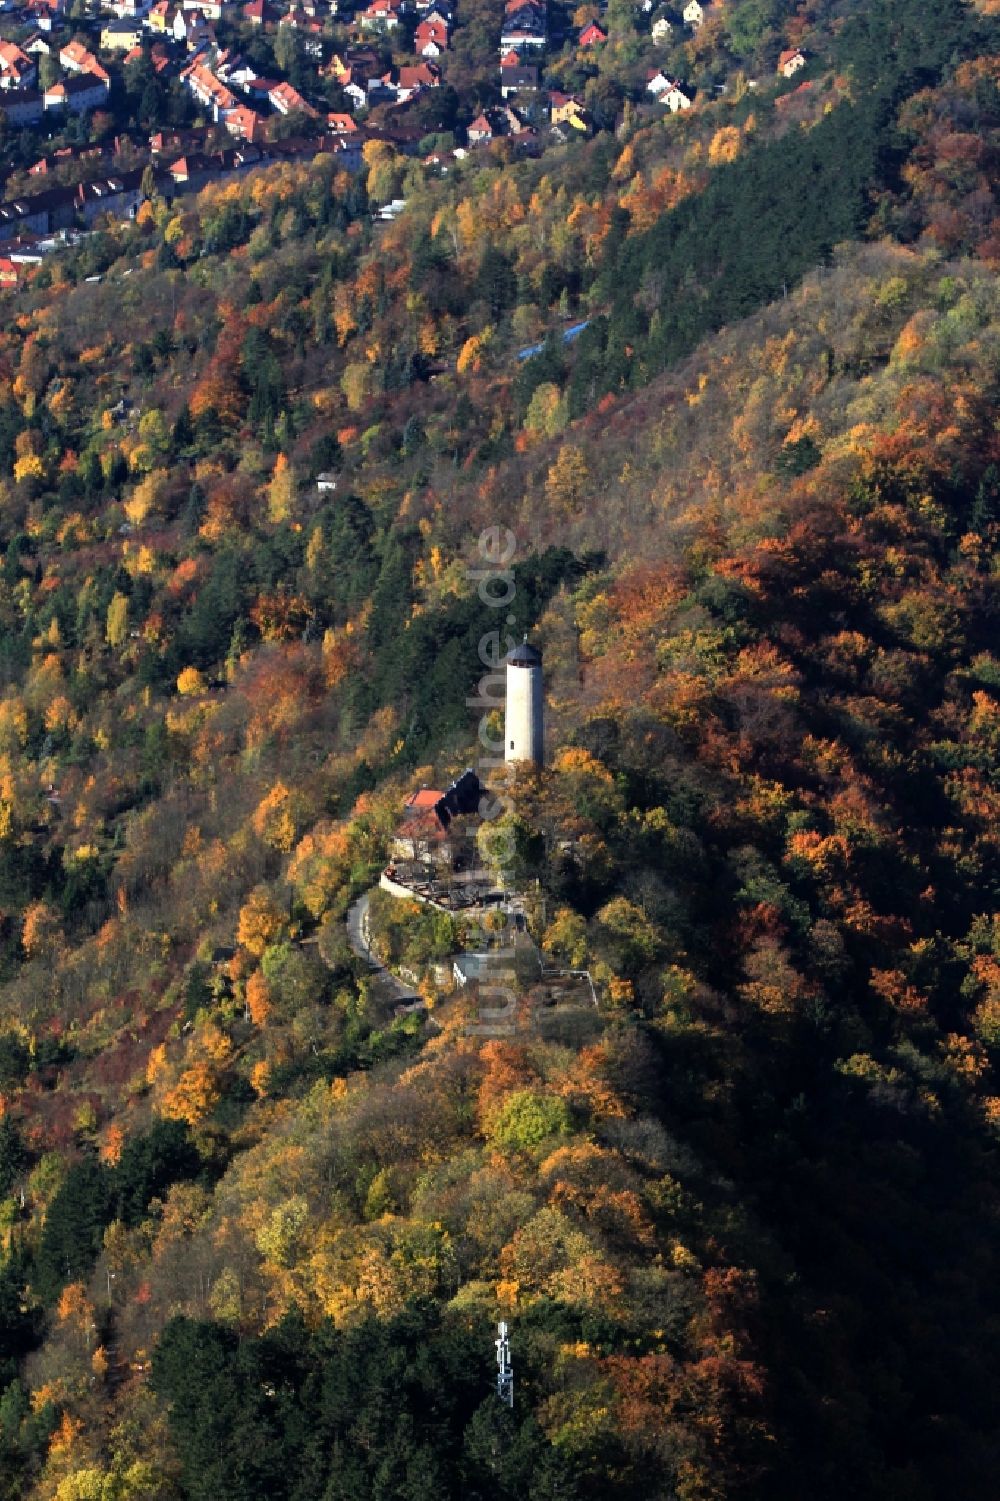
513,79
462,798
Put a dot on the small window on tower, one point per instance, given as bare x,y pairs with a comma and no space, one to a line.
512,745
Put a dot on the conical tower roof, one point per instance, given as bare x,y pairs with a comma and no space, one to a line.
524,655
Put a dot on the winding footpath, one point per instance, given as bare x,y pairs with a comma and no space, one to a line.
388,987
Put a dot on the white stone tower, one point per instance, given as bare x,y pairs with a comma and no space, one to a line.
524,730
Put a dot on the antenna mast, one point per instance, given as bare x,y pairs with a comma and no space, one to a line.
505,1367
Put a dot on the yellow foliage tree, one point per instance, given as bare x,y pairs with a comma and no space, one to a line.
724,145
190,682
194,1096
117,625
566,937
261,921
13,724
274,819
320,867
29,466
567,481
111,1146
548,411
258,998
144,499
157,1064
41,933
281,490
473,351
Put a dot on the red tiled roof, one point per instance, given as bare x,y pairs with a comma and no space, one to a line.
425,798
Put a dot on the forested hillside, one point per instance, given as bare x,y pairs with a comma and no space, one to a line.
730,380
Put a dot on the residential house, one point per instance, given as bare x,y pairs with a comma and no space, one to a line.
121,36
694,14
242,122
354,85
161,17
45,164
163,142
661,30
564,109
44,13
523,36
259,13
258,89
524,25
191,28
591,36
115,197
399,86
675,98
76,95
9,274
341,125
419,816
42,214
76,58
517,80
286,100
24,250
212,94
382,15
381,89
657,82
23,107
234,69
480,132
365,57
159,60
431,36
791,62
17,69
37,45
351,71
515,10
512,124
299,20
212,10
493,124
422,837
193,171
412,79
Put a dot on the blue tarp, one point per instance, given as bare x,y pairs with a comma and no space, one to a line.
568,336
